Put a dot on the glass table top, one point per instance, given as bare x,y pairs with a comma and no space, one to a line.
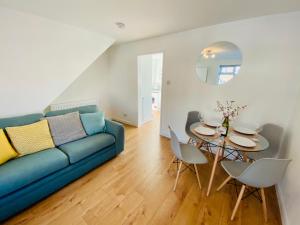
220,141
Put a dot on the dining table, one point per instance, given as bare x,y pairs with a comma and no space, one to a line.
225,147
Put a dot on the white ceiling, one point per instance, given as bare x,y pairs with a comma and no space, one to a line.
149,18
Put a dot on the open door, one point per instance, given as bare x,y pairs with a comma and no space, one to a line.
145,88
149,86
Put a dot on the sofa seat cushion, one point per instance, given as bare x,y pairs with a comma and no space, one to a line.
87,146
25,170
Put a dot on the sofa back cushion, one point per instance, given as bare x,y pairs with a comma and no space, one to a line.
93,123
6,150
30,138
81,110
20,120
66,128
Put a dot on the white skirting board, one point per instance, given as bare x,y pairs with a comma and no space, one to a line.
124,121
283,212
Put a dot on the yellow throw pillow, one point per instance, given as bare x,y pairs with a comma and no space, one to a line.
31,138
6,151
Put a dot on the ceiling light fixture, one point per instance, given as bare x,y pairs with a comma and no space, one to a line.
207,53
120,25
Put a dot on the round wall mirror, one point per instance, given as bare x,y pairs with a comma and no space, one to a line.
219,63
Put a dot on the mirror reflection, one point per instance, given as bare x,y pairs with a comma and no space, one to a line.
219,63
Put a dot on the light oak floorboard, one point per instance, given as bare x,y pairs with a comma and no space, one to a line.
136,188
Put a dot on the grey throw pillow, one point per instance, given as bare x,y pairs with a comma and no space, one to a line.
66,128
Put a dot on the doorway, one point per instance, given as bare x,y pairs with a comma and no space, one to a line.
150,70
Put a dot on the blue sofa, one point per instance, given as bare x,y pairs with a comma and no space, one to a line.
28,179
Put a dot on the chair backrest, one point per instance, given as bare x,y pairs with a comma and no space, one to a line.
264,172
192,117
273,133
252,126
175,145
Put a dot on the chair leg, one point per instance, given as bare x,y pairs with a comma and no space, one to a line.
213,171
210,151
238,202
224,183
264,204
178,173
174,157
197,174
199,145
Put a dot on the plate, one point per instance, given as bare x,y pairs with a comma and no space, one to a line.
213,123
205,131
244,130
242,141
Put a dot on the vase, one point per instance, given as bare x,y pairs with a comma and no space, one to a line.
225,124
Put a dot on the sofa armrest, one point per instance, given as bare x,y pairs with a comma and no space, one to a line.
117,130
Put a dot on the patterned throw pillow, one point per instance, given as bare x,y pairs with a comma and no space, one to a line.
31,138
66,128
6,151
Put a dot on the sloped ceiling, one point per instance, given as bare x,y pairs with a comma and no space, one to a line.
148,18
40,58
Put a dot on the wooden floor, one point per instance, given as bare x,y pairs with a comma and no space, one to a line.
136,188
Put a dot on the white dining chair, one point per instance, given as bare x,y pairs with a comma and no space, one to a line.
192,117
273,133
260,174
253,126
187,154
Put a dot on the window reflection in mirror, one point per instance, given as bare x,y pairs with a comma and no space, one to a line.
219,63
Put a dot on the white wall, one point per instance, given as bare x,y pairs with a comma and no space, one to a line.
92,84
289,188
39,58
124,84
266,83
